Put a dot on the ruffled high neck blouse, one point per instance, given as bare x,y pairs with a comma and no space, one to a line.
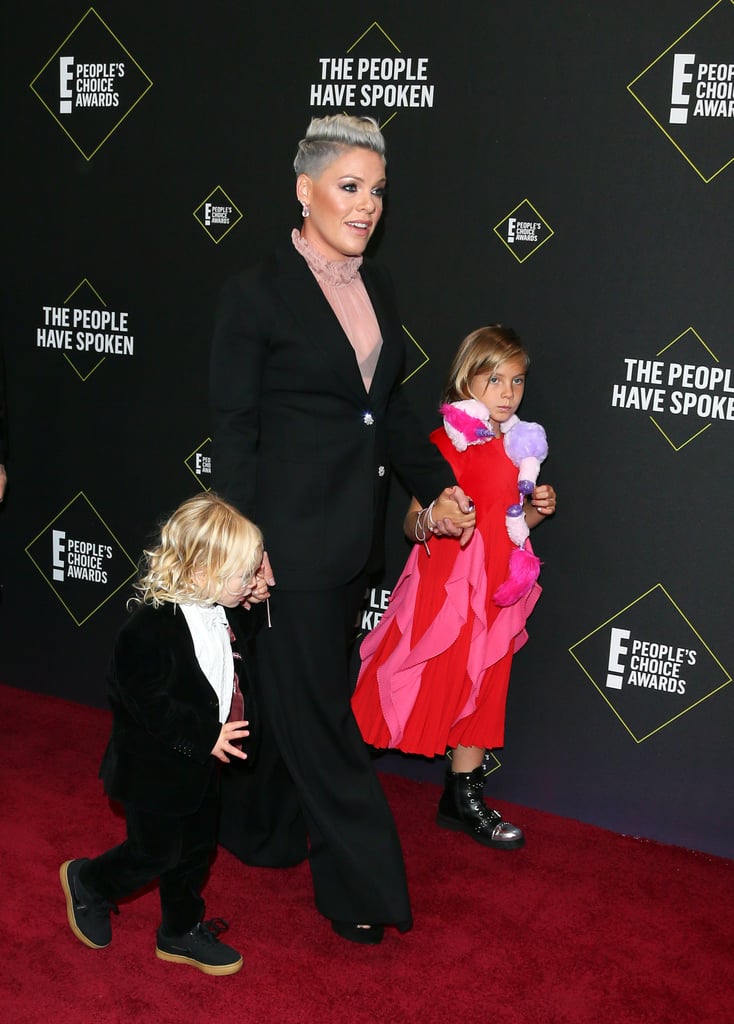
344,289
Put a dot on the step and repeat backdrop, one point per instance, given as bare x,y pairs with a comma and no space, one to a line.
566,168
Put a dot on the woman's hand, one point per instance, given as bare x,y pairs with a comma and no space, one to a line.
261,583
453,515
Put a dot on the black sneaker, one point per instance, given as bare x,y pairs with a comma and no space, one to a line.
89,917
201,948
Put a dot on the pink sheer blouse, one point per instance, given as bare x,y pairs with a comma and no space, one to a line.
346,294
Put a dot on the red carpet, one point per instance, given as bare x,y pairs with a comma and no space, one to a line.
580,927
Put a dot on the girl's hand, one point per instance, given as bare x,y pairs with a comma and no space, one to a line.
543,500
224,745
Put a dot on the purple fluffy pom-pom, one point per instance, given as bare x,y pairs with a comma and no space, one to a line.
524,571
526,440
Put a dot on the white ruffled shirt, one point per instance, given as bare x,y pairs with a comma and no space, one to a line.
212,646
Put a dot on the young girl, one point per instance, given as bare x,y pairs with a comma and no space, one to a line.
175,683
435,670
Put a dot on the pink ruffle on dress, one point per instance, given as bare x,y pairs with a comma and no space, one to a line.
435,670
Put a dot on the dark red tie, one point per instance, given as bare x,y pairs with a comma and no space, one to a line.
237,710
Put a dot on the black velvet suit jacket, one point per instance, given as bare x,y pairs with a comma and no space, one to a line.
165,714
299,445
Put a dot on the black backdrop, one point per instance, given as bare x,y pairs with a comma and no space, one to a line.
536,178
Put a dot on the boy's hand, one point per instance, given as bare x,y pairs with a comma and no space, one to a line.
231,731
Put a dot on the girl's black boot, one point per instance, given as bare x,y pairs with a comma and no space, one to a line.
462,809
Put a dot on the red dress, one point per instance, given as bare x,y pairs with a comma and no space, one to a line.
435,669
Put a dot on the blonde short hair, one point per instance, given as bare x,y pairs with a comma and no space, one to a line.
328,137
482,351
206,534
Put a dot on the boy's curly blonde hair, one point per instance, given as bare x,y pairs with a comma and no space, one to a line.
205,542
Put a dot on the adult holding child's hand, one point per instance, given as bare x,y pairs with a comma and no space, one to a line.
309,418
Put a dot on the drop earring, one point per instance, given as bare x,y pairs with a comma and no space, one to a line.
305,210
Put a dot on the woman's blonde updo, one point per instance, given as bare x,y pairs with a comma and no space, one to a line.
328,137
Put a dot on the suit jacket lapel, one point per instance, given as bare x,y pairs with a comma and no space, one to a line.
300,291
187,648
392,353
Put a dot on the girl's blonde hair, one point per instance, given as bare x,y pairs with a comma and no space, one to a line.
482,351
204,535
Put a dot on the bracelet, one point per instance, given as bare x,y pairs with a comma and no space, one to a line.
429,517
419,529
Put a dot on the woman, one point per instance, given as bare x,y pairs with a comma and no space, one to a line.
306,364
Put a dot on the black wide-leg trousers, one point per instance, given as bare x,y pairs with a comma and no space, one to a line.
174,849
314,790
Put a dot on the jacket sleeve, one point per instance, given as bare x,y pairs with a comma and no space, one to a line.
144,681
418,463
3,415
237,359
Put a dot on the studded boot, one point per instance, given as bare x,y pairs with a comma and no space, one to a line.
462,809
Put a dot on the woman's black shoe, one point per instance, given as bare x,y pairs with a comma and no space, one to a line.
366,935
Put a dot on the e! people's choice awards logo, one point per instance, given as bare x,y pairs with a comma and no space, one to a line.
84,330
90,84
80,558
523,231
373,77
217,214
649,664
199,464
688,91
684,389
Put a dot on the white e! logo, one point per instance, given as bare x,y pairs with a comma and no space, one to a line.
615,667
681,77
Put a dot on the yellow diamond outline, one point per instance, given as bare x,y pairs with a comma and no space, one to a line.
48,525
124,116
84,281
207,440
497,764
486,771
507,244
652,116
677,448
426,357
663,725
377,25
240,215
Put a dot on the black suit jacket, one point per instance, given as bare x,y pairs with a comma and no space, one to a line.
3,414
165,713
299,444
